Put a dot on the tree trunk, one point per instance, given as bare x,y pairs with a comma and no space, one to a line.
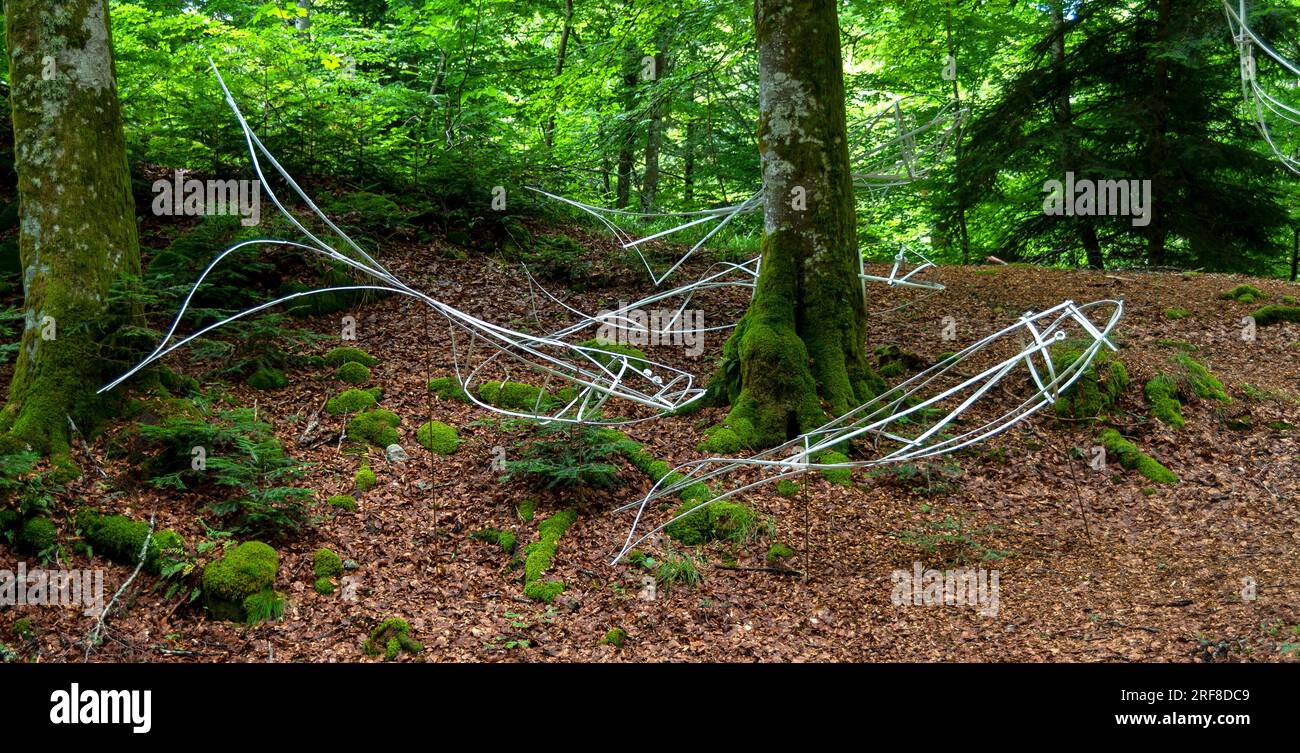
1295,252
627,138
799,352
549,131
1156,138
963,232
654,131
78,231
1069,141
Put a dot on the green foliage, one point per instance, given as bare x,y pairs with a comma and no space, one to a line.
556,257
340,356
1177,313
366,214
391,638
377,427
952,540
1270,315
1132,458
438,437
263,606
246,570
352,401
353,373
678,570
245,467
565,455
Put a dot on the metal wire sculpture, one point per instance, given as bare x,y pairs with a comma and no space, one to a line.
592,375
1264,105
908,421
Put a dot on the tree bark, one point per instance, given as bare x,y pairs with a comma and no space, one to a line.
800,351
549,131
78,233
654,131
1070,142
1156,138
627,139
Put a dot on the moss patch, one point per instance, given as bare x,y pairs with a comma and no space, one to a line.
120,539
1132,458
1270,315
504,539
377,427
1096,390
365,479
38,534
244,571
615,637
353,373
1177,313
343,502
340,356
1243,294
1162,393
841,476
539,555
391,638
352,401
448,388
435,436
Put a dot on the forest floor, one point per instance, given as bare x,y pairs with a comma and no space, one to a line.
1093,565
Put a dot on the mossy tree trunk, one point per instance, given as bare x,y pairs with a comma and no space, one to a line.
798,354
78,232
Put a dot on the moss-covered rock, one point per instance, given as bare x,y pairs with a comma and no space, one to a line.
1199,380
723,520
636,358
326,564
244,571
340,356
1244,294
1132,458
1096,390
1270,315
435,436
353,373
787,487
377,427
778,552
120,539
38,534
352,401
391,638
267,378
